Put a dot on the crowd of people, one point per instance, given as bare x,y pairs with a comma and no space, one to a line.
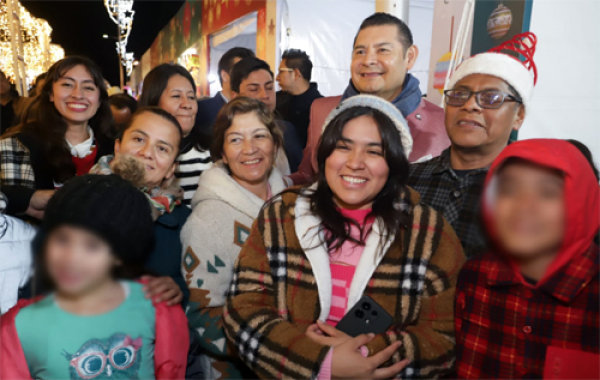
256,234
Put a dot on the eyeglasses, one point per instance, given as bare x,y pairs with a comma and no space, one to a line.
285,69
491,99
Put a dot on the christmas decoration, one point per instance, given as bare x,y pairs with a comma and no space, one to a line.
499,22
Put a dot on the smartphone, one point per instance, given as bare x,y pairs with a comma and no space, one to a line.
365,317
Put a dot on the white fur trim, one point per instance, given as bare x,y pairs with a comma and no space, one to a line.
307,230
501,66
382,105
306,225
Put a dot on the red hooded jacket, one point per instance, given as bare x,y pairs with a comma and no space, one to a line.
508,328
170,350
582,194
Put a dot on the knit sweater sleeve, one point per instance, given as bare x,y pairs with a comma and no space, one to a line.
267,341
209,252
429,343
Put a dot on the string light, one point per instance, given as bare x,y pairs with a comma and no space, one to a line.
34,50
121,13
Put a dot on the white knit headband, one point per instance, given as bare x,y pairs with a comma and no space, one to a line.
381,105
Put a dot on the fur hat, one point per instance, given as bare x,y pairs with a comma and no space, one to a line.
381,105
521,75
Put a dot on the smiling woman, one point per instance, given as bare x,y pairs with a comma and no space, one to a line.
229,196
358,230
172,88
63,133
145,154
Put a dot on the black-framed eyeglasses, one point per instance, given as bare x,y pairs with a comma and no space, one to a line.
492,99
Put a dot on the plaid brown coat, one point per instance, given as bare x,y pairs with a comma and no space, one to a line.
274,296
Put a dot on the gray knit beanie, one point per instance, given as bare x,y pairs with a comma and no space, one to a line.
381,105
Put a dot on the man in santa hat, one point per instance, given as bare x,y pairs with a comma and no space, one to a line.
486,99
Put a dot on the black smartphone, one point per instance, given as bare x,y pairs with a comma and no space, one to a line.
365,317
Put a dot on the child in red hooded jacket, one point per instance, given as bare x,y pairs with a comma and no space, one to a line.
529,308
96,324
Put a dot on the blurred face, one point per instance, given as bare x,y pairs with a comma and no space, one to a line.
259,85
471,126
379,64
356,170
4,85
248,150
530,210
179,100
121,116
285,76
75,96
154,142
225,75
77,260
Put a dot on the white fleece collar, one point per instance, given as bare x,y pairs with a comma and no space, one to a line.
217,184
310,238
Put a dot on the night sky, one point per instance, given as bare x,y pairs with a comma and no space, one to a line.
78,27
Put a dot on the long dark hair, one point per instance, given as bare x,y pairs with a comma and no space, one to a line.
155,83
386,205
43,121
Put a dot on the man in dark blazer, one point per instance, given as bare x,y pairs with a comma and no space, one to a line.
209,108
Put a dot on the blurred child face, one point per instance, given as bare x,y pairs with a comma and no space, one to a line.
78,260
530,210
153,141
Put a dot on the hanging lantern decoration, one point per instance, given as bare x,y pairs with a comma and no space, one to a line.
121,13
499,22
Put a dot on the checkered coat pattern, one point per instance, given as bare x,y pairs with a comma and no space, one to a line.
274,296
458,198
503,327
15,164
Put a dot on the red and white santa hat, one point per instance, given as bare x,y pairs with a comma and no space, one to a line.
521,75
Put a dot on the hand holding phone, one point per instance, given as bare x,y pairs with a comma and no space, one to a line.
367,316
348,363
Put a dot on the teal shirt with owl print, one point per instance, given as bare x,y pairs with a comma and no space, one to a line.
114,345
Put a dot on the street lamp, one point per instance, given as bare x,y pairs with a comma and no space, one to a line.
121,13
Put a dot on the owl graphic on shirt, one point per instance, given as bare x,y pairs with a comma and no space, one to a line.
117,357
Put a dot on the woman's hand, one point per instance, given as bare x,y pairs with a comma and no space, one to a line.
325,334
348,363
38,202
163,289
